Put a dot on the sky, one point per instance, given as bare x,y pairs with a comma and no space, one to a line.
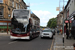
44,9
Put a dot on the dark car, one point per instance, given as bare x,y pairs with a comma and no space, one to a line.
53,31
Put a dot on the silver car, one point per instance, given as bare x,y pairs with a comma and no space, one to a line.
46,33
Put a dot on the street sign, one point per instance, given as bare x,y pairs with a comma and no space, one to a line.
66,21
57,8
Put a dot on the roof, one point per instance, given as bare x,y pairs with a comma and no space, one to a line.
67,3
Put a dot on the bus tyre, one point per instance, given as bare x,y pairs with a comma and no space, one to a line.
30,37
41,37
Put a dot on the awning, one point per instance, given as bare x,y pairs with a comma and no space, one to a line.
73,14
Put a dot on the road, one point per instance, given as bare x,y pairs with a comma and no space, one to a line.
35,44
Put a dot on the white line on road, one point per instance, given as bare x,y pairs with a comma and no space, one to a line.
12,42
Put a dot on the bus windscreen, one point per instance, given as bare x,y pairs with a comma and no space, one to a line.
21,14
20,21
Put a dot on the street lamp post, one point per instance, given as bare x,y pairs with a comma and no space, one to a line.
63,18
63,22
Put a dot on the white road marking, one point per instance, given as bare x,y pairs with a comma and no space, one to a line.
12,42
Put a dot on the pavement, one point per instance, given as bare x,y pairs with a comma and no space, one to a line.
4,33
58,43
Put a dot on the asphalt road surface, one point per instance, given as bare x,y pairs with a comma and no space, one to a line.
35,44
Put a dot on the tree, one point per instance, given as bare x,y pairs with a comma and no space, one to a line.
52,23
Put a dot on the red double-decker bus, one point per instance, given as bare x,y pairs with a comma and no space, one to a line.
24,24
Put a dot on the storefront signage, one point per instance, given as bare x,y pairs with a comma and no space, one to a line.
66,21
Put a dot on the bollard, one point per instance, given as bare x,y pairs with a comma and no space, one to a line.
74,46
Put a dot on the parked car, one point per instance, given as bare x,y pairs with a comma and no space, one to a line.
46,33
53,31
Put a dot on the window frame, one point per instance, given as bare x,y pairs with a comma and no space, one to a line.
13,3
2,1
2,10
19,0
19,6
16,5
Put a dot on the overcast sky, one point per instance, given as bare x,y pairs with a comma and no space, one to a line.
44,9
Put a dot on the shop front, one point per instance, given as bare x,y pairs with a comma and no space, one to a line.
5,25
72,24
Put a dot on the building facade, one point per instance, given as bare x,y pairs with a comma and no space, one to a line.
70,12
6,8
69,15
60,20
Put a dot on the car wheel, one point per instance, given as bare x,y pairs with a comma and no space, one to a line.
52,37
41,37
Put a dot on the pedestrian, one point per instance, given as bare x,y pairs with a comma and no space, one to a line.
58,32
70,34
67,33
61,31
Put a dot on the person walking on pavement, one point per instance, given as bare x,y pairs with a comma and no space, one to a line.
61,31
67,33
58,32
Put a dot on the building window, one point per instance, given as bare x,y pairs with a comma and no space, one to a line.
1,12
19,0
1,1
16,5
13,3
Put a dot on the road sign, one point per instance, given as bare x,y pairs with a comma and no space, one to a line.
57,8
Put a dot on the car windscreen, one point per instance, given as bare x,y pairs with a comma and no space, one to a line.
46,30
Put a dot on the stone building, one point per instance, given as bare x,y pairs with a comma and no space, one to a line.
70,12
70,16
36,20
6,8
60,20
